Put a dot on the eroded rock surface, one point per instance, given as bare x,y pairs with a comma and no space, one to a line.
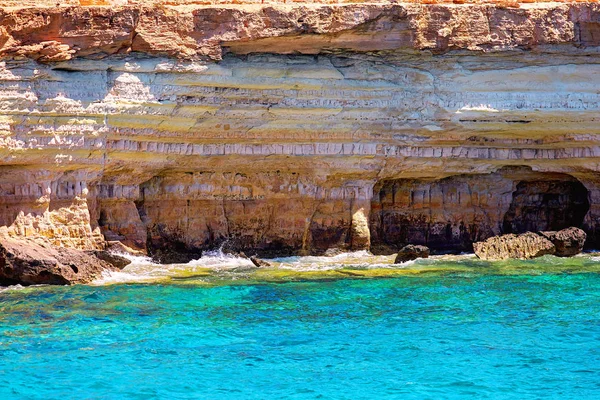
568,242
205,31
28,262
524,246
411,252
564,243
177,127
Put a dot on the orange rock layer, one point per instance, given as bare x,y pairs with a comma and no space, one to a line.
195,31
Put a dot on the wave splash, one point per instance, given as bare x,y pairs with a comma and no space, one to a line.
143,269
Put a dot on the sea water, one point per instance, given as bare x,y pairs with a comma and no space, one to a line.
353,326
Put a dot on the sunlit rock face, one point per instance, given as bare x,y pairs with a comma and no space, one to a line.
296,129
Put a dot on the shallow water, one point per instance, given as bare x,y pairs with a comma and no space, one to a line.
348,327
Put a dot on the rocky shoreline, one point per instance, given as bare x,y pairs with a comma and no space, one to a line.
30,262
170,128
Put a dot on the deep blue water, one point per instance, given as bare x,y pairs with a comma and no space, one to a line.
420,337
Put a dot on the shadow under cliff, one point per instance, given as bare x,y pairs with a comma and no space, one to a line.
449,214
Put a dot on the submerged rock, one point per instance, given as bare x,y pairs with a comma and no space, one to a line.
28,262
568,242
411,252
526,245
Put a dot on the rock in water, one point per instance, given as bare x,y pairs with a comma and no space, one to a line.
116,246
28,262
524,246
119,262
411,252
568,242
258,262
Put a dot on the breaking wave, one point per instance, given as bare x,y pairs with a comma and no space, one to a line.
143,269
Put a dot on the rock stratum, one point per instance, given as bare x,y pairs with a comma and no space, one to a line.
299,127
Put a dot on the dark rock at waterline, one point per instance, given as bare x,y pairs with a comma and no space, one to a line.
115,260
258,262
255,260
411,252
27,262
168,256
568,242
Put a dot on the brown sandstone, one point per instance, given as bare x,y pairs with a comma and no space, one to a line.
28,262
524,246
175,127
568,242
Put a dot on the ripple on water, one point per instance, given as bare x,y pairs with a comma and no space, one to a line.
496,333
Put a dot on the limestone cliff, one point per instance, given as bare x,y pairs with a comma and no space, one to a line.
289,128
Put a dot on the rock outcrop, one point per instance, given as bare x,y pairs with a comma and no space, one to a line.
259,263
117,261
564,243
172,127
568,242
411,252
28,262
524,246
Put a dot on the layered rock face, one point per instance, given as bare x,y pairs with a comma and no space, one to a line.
297,128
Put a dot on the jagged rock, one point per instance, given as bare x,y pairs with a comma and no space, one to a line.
524,246
568,242
411,252
259,262
175,255
117,261
120,248
27,262
255,260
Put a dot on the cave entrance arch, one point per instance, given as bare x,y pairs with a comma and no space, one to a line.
449,214
546,205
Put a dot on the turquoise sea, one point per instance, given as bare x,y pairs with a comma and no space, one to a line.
348,327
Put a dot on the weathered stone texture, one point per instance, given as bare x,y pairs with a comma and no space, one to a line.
297,128
30,262
524,246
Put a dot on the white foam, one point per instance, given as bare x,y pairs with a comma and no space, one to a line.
362,259
143,269
11,288
219,260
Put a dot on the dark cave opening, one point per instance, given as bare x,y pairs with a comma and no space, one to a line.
546,206
450,214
